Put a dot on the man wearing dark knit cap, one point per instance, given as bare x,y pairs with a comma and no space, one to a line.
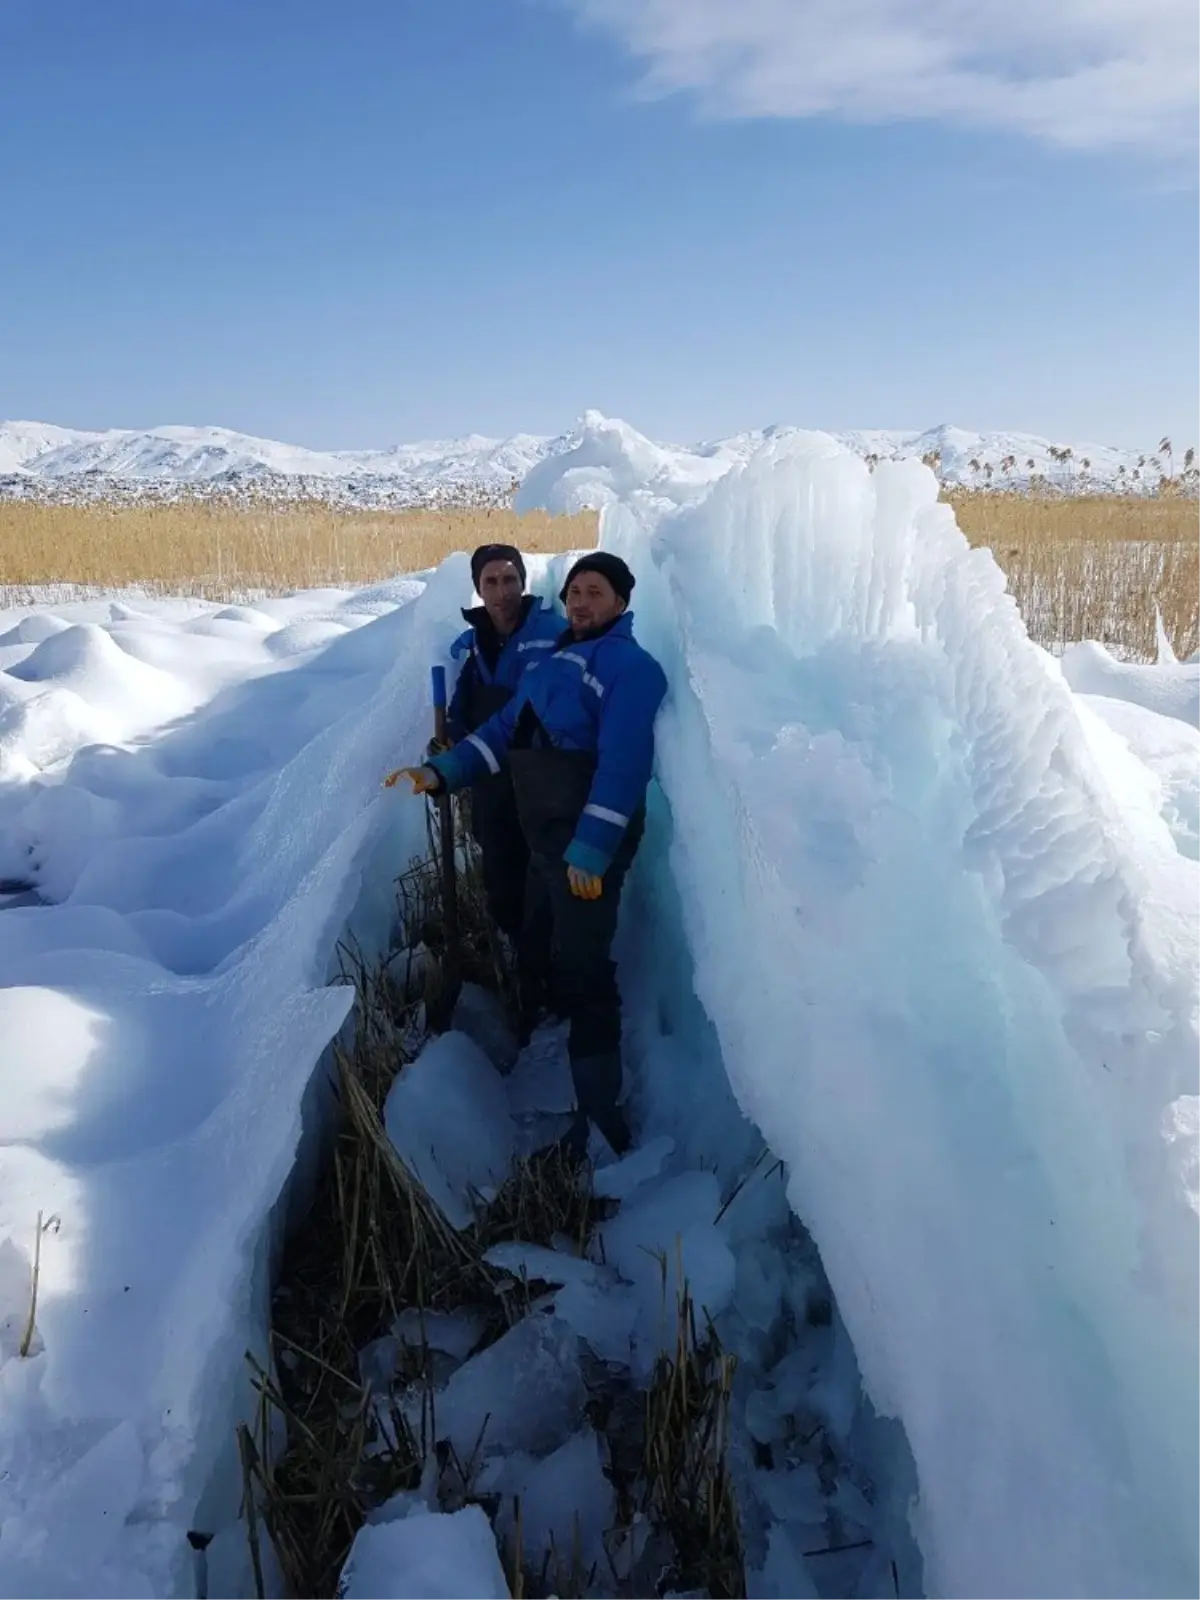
505,635
578,737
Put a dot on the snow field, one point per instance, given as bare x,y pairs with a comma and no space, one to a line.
163,1016
912,910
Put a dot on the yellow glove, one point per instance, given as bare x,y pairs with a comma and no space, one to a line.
584,885
424,780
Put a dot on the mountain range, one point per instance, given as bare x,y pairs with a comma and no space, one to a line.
44,462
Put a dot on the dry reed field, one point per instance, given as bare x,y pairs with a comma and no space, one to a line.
221,552
1095,566
1080,567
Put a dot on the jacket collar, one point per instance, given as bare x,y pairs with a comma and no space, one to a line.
483,625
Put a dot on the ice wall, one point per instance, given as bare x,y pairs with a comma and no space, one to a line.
955,986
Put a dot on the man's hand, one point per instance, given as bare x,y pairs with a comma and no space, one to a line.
438,747
424,780
584,885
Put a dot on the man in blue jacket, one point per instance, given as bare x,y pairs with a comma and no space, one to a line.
579,739
505,635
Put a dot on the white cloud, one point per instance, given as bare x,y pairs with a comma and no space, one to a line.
1086,74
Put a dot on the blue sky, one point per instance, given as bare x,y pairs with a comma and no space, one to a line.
371,222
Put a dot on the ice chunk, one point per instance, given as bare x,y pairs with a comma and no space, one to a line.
408,1503
455,1333
619,1179
481,1016
567,1506
655,1218
434,1556
525,1392
377,1363
541,1079
658,1232
604,1316
793,1494
758,1288
537,1264
766,1418
447,1116
785,1574
592,1300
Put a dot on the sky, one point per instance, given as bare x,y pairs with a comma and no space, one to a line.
354,224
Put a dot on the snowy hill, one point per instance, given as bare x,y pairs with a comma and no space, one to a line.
39,460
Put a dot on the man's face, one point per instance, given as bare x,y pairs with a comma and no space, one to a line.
500,589
592,602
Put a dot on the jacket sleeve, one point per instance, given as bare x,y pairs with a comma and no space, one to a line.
625,760
480,752
456,711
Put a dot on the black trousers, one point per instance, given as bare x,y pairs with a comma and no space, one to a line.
566,946
504,854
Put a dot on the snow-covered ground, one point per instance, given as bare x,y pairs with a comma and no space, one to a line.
39,460
917,906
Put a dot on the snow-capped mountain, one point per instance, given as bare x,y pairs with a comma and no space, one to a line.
41,461
54,462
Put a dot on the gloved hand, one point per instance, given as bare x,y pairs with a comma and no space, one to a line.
424,780
584,885
438,747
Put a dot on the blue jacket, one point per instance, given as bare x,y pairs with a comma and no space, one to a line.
597,696
491,667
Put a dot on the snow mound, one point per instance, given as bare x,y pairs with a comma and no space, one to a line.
33,630
126,695
1172,688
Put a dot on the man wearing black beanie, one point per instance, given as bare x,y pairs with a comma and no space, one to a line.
578,737
504,636
507,554
611,567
